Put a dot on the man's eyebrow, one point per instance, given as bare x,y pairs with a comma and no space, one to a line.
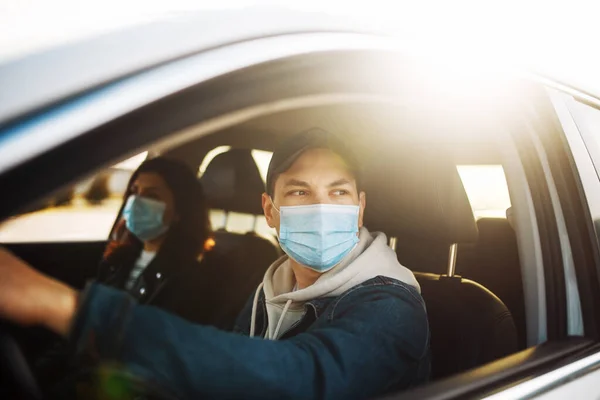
296,182
340,182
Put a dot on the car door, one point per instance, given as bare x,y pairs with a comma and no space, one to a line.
295,70
564,187
580,118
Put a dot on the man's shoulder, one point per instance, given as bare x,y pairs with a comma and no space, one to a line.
381,291
383,284
383,306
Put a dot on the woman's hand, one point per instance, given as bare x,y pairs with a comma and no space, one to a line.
28,297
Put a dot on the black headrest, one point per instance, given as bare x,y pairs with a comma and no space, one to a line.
232,183
415,192
493,231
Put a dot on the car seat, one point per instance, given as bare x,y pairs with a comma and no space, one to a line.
232,183
494,262
416,196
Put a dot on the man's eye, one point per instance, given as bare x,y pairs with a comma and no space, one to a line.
340,192
298,193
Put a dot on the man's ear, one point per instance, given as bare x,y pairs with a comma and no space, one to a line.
362,203
267,206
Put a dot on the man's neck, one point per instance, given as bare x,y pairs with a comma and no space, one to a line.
305,277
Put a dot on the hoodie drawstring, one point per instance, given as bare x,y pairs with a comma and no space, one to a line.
254,307
285,310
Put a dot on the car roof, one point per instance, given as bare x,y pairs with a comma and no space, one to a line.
43,78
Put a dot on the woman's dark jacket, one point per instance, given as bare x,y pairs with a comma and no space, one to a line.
195,290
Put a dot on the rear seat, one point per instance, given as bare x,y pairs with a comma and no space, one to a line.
419,199
232,183
494,262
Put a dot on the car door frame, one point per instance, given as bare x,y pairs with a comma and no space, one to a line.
120,129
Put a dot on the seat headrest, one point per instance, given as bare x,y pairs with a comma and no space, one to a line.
416,192
232,183
493,231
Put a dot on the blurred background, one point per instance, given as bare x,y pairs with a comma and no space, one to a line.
87,211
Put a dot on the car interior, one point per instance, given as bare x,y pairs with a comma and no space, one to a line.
469,270
507,298
415,196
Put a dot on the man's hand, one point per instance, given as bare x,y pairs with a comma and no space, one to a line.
28,297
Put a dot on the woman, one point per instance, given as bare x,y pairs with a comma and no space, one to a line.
160,247
160,253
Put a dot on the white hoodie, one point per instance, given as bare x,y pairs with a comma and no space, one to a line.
370,258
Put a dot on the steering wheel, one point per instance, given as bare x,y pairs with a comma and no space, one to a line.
16,368
23,384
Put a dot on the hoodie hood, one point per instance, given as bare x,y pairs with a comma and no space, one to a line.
370,258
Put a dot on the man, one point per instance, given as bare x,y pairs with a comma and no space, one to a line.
339,317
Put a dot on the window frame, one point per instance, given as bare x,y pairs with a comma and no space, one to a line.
144,125
581,204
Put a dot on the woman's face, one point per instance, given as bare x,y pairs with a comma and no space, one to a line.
153,186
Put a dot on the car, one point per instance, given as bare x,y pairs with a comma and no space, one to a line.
513,304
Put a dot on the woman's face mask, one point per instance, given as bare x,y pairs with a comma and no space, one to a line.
144,217
318,236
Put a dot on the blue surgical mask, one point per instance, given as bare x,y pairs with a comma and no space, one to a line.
144,217
318,236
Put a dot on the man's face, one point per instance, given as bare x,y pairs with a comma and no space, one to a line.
318,176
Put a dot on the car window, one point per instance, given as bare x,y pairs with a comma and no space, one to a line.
485,185
486,189
83,212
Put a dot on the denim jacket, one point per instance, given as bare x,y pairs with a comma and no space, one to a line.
368,341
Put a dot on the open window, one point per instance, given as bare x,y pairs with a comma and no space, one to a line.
361,95
487,189
83,212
